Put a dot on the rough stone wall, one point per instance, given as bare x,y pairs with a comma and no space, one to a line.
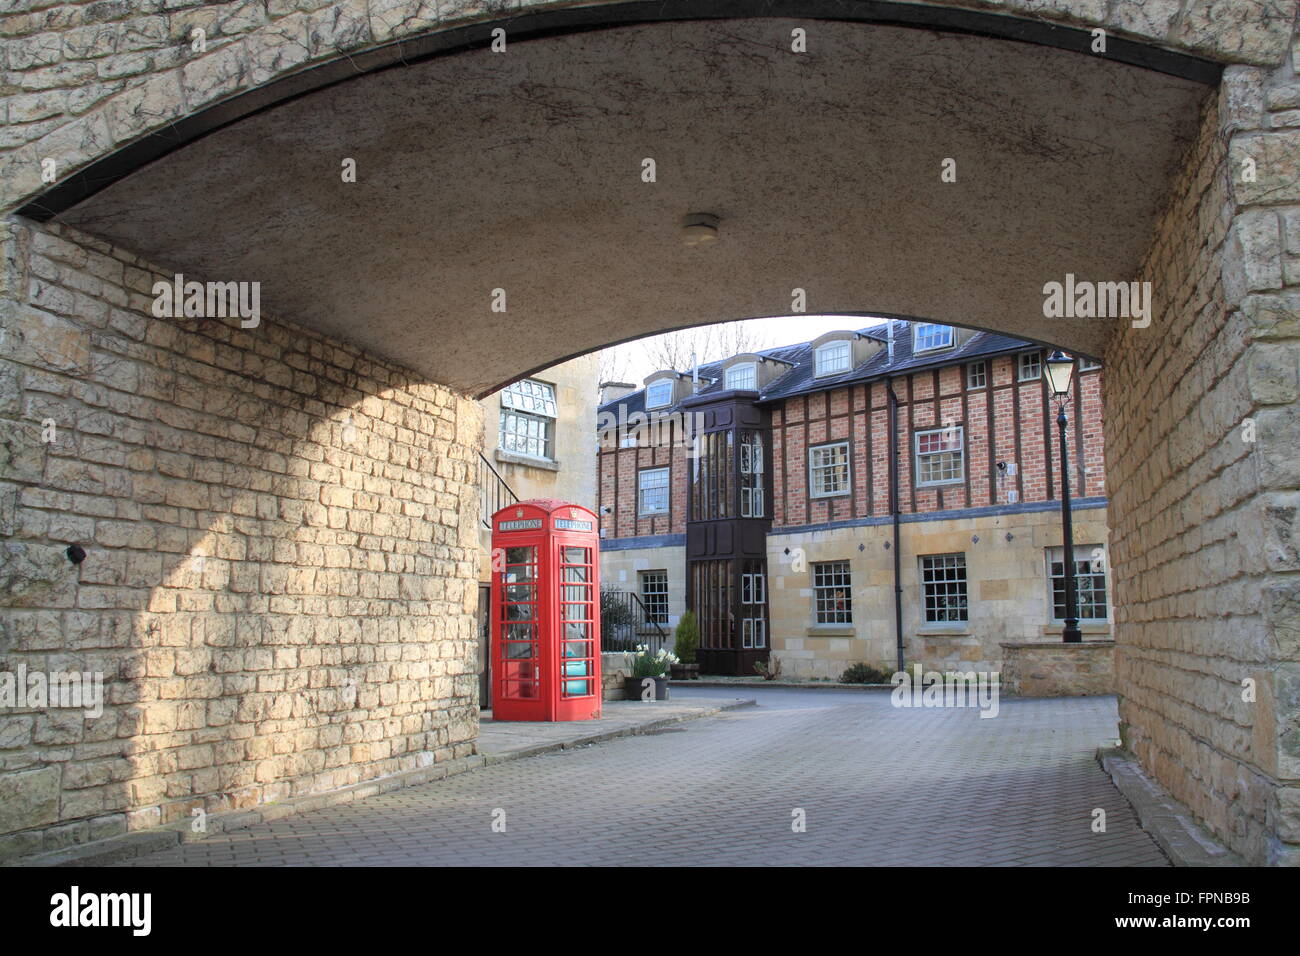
1058,670
281,540
85,77
1007,587
1203,468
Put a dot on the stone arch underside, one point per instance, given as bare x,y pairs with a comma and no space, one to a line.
825,170
522,172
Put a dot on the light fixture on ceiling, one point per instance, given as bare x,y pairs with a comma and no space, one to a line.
699,228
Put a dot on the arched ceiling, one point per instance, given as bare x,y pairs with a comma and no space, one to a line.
522,171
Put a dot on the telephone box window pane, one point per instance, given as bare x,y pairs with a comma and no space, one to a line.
577,555
518,612
521,555
520,632
577,630
519,650
525,690
573,574
519,670
576,592
577,612
519,593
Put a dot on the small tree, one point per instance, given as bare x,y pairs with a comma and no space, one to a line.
686,638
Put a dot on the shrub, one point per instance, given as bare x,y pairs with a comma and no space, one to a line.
686,639
864,674
769,669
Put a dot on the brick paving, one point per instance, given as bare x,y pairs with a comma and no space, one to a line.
878,785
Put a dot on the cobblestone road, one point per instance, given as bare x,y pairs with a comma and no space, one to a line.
878,786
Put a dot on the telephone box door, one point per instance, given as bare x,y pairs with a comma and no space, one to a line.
545,612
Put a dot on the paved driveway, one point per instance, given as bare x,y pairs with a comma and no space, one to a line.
877,785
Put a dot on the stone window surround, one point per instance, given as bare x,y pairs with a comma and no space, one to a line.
527,461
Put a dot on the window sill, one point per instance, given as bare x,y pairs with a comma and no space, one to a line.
831,630
1101,629
943,630
650,514
834,494
528,461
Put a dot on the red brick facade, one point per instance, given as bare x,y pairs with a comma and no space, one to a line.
1018,429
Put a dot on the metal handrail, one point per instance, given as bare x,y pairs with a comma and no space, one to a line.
494,492
624,641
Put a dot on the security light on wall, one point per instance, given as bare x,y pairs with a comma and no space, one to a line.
1058,369
699,228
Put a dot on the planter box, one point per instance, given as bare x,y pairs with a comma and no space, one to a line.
686,671
633,688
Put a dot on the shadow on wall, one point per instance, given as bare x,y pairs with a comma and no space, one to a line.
280,537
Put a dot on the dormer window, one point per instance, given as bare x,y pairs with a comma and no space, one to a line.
927,337
742,376
832,358
659,393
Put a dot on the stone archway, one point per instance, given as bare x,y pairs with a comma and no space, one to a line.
1200,397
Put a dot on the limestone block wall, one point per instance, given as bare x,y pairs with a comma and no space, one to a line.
620,568
280,537
1058,670
1203,468
1006,585
571,476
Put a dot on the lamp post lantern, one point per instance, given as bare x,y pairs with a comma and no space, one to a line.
1058,370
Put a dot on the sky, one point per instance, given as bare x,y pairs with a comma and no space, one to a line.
633,363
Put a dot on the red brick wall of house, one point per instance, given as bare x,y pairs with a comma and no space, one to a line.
617,470
1019,428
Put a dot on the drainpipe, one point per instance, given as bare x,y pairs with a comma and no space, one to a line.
894,509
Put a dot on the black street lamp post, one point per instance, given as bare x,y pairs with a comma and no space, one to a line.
1058,370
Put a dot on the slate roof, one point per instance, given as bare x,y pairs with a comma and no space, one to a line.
799,380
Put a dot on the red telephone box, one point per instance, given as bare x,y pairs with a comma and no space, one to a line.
545,612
